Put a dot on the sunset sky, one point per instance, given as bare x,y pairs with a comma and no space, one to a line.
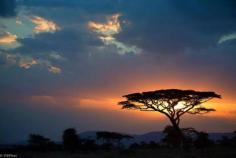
66,63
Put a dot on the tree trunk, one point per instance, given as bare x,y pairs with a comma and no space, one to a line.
174,124
179,134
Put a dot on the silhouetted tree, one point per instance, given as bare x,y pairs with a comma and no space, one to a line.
153,145
134,146
189,136
172,137
71,140
109,138
38,142
202,140
234,139
88,144
144,145
226,141
173,103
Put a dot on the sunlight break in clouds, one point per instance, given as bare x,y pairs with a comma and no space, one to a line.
43,25
23,61
23,27
108,29
54,69
51,68
27,62
7,38
228,37
106,32
8,41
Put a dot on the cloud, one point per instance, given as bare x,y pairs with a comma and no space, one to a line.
54,69
19,22
228,37
43,25
26,26
42,99
22,27
122,48
9,41
7,58
7,38
50,67
111,27
23,61
106,32
56,56
26,61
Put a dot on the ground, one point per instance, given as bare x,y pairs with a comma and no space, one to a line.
144,153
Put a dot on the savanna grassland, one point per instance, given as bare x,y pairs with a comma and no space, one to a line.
142,153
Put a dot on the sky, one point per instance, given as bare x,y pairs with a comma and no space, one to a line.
67,63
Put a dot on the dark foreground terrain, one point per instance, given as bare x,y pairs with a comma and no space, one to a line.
137,153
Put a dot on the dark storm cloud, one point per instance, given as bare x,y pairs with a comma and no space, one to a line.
92,6
159,27
169,27
70,42
7,8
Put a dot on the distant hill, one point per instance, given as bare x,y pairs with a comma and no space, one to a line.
147,137
156,136
218,136
88,135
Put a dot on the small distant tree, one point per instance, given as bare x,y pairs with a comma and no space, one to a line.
153,145
89,145
173,103
227,141
112,137
234,139
202,140
71,140
224,141
189,136
38,142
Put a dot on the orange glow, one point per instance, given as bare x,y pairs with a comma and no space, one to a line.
98,102
107,99
43,100
7,38
43,25
224,107
110,28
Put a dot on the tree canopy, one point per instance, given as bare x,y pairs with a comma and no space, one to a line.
112,135
71,139
173,103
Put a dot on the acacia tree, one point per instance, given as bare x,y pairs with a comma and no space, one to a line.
109,137
173,103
